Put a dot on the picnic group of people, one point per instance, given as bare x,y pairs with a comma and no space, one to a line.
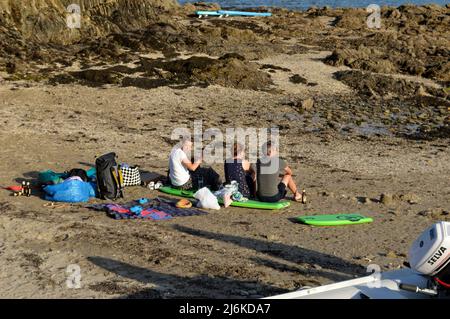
267,180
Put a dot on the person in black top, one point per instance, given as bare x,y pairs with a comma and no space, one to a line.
240,170
269,169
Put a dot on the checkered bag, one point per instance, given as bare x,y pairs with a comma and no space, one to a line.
131,175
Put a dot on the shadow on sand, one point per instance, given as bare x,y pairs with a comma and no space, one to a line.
176,286
325,265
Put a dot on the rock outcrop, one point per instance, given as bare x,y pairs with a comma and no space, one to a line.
46,20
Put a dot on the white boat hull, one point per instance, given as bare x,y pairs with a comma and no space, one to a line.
376,286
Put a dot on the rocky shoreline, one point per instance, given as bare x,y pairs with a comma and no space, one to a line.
413,42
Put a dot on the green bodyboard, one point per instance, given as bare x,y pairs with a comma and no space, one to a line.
248,204
334,220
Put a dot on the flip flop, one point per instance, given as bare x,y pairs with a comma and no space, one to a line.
55,205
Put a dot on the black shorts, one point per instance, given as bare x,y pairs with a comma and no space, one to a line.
187,186
282,192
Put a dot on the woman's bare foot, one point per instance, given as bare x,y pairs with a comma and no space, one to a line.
298,196
227,200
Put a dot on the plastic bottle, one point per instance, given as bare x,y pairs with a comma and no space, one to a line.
200,182
28,190
303,196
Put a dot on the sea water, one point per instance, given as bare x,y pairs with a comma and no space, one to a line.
305,4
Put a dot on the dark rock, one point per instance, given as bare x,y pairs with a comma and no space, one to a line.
298,79
386,199
376,84
410,198
433,213
327,194
99,76
11,67
227,71
425,213
274,67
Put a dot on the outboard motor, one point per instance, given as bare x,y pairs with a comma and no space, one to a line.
430,254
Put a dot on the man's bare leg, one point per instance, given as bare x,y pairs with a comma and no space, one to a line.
290,183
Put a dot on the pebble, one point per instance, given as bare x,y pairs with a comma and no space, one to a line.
364,200
291,116
307,104
421,91
410,198
391,254
433,213
243,293
298,79
425,213
327,194
386,199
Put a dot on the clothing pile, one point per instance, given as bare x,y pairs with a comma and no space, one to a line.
231,191
50,177
74,186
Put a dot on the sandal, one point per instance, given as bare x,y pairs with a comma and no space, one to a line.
55,205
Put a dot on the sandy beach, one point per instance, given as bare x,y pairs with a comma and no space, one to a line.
361,113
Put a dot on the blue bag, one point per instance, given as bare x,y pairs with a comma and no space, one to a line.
69,191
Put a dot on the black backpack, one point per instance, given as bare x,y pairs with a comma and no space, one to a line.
109,177
208,177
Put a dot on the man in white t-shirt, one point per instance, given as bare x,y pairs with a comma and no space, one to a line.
180,165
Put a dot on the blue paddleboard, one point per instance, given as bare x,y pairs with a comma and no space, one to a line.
207,13
244,13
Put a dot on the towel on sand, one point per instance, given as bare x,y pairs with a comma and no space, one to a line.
155,209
